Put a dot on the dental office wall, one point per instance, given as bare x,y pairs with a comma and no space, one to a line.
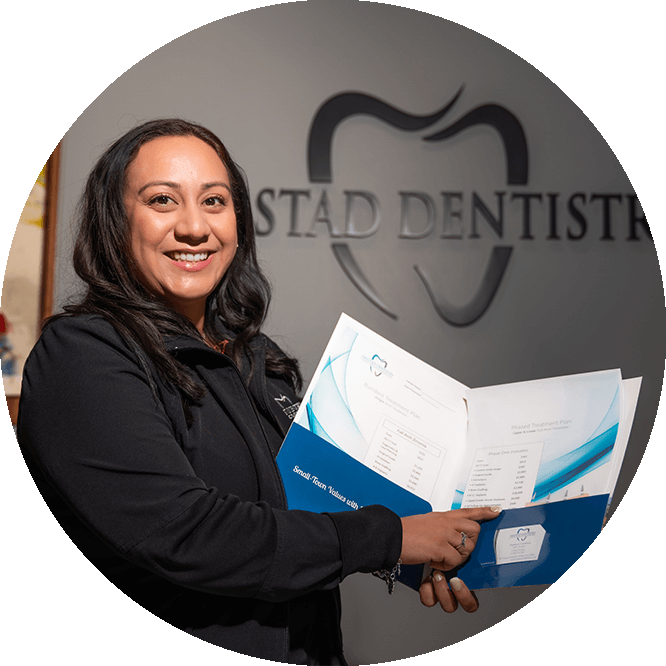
453,155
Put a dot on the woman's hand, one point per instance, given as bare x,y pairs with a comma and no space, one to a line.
443,539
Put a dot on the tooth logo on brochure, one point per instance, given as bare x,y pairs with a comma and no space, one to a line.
541,216
378,365
519,545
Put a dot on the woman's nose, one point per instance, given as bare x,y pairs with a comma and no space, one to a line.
192,226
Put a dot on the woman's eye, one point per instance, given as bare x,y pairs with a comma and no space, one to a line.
161,200
215,201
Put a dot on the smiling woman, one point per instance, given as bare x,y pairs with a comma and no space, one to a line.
182,224
155,449
111,252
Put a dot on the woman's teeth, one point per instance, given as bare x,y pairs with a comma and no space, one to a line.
187,256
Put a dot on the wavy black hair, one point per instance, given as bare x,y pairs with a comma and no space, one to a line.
104,261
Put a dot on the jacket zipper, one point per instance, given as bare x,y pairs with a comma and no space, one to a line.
276,469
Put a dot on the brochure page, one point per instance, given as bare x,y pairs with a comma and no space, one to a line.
379,426
389,410
542,440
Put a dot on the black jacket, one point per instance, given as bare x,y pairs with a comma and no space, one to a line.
190,521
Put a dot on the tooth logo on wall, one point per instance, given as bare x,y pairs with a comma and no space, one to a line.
585,211
320,144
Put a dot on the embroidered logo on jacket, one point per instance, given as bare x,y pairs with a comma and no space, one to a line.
288,407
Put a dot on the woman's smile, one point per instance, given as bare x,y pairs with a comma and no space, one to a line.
190,261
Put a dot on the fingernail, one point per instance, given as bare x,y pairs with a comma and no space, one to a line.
456,584
496,509
438,576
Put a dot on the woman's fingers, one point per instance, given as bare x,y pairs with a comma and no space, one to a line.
449,595
427,593
465,597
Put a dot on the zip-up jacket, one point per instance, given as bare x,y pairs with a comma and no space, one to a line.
189,517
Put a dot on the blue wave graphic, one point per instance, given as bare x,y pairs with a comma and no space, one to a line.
560,472
611,417
329,414
316,428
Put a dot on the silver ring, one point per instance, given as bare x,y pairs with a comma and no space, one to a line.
463,542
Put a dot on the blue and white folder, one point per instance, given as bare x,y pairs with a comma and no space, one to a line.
379,426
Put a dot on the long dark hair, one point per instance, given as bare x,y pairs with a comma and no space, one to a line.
104,261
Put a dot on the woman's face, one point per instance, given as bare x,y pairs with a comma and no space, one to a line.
182,221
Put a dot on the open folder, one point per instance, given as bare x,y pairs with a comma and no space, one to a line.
379,426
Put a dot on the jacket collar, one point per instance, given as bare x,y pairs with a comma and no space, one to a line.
181,343
185,344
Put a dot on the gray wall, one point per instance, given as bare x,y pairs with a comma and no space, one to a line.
564,305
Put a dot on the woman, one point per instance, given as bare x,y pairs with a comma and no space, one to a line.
149,423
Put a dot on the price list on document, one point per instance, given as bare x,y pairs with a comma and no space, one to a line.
503,476
406,458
